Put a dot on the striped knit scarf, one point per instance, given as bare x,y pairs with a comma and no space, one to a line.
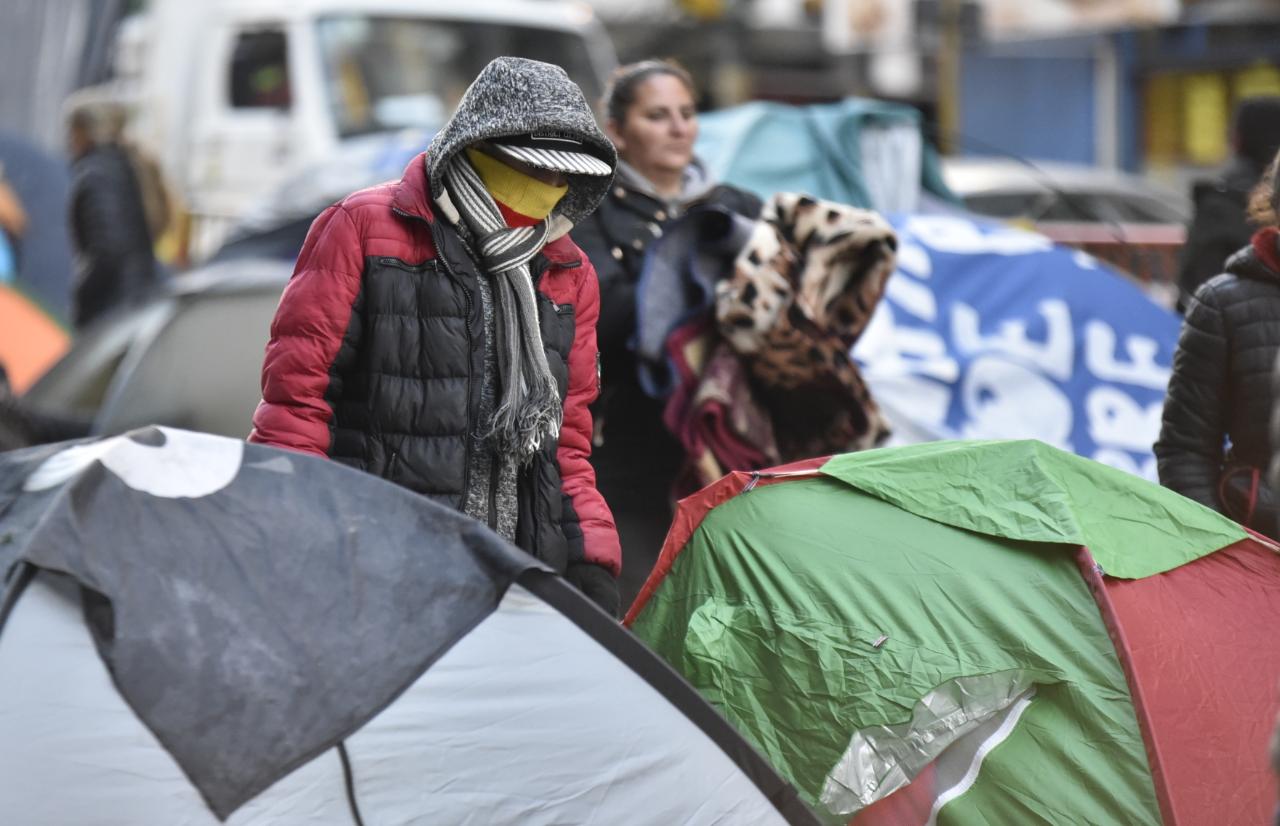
528,411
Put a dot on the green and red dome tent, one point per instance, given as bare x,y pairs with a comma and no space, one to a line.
979,632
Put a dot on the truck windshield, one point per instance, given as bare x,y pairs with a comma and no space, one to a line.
386,73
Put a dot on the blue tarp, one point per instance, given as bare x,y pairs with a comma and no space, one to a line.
43,254
992,332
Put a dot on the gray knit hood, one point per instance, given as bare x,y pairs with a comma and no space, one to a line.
516,96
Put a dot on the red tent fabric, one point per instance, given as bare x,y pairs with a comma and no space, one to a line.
1206,728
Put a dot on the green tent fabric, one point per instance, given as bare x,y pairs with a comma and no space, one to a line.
816,647
1029,491
773,147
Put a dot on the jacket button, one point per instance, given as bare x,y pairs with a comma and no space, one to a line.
656,230
638,244
619,192
660,215
617,253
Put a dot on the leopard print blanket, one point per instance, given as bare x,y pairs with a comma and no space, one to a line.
802,290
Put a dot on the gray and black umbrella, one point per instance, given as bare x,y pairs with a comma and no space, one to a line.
194,629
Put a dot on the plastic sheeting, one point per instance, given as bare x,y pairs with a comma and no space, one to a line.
882,759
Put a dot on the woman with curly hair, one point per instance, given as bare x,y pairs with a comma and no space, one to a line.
1215,444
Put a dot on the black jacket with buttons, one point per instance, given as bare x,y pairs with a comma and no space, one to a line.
615,238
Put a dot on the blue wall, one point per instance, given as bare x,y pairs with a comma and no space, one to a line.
1032,107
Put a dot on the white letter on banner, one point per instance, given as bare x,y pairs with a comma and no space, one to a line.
1116,420
945,233
1084,260
1055,356
1005,400
1140,369
914,260
912,296
899,363
885,349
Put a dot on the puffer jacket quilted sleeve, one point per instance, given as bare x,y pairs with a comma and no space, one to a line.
1190,449
309,337
600,536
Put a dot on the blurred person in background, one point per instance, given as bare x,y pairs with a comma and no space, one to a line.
1215,443
650,115
13,223
440,331
1220,226
116,264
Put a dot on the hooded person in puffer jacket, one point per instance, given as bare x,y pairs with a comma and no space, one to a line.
1215,444
440,330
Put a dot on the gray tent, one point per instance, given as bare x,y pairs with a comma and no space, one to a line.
194,629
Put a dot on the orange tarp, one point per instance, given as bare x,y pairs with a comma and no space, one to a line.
30,339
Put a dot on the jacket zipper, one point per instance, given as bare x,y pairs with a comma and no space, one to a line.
444,259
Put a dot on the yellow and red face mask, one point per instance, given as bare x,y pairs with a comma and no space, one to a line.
524,200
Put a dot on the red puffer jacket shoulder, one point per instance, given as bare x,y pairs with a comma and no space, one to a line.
572,280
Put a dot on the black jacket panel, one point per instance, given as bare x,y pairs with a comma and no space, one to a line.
1220,390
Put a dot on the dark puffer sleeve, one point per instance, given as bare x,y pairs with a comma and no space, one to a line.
307,336
1190,448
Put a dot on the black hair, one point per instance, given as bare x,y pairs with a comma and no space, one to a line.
620,92
1256,129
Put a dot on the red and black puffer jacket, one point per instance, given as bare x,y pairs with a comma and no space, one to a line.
376,357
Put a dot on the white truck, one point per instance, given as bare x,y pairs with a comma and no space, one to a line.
235,96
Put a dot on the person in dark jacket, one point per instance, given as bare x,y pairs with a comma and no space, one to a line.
651,118
116,264
1214,444
1220,226
440,330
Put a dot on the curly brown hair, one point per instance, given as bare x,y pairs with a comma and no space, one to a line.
1264,199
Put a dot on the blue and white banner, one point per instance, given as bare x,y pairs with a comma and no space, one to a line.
991,332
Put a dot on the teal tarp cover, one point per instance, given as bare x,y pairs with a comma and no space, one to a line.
774,147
